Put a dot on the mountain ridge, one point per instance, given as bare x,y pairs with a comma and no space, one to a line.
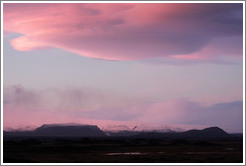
81,130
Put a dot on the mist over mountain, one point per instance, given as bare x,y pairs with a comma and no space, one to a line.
147,127
78,130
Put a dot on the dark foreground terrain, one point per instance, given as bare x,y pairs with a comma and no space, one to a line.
121,150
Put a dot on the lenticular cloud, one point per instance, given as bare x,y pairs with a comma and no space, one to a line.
128,31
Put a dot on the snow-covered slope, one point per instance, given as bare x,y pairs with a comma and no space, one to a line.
137,126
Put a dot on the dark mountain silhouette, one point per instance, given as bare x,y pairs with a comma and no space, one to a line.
208,133
61,131
58,130
70,131
212,132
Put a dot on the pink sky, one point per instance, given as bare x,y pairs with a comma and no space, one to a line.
175,63
127,31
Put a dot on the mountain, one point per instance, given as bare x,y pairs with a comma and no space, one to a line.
211,132
78,130
69,131
61,130
207,133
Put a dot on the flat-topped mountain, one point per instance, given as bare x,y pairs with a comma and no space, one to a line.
61,130
69,131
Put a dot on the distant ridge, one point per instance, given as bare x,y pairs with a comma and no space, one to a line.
208,133
80,130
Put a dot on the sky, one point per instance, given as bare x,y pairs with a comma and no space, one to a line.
165,63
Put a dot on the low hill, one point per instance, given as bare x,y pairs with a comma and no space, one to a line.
211,132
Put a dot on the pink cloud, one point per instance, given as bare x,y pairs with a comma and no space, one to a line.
127,31
24,43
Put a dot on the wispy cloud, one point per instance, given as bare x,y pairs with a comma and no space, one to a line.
62,99
71,105
200,32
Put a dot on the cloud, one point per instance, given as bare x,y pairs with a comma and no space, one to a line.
228,115
69,99
66,99
20,97
23,105
129,31
24,43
